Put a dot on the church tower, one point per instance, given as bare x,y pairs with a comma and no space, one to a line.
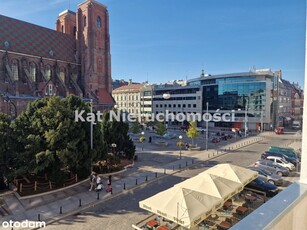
93,51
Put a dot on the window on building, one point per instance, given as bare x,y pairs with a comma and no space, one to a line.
48,72
157,106
75,31
183,106
15,70
194,105
84,21
161,106
174,105
33,72
169,105
50,89
62,74
179,106
98,22
189,105
62,29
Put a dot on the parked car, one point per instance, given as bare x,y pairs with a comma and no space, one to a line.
272,167
281,162
287,151
268,176
293,160
258,184
184,127
216,140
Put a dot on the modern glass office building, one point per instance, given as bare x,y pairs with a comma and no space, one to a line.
249,95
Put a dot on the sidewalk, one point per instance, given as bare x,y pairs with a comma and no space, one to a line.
48,207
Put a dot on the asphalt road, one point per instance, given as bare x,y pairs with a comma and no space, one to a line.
123,211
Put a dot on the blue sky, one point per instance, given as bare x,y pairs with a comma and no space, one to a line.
163,40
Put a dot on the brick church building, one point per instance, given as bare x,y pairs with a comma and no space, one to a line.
75,58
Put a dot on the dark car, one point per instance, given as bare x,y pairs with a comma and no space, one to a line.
293,160
260,185
184,127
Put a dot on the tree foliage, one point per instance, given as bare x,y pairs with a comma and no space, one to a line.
135,127
46,140
161,130
192,131
117,132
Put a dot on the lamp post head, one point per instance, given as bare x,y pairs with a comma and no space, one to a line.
166,96
180,137
113,145
142,133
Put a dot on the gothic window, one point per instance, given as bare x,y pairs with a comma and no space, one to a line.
50,88
62,29
62,74
33,72
15,70
48,72
84,21
98,22
75,31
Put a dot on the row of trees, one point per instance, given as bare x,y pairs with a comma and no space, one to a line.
45,140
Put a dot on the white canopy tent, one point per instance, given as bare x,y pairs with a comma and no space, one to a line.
233,173
191,201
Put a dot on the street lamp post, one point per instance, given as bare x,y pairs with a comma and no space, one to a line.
113,147
245,120
207,131
142,140
180,146
91,125
165,96
261,121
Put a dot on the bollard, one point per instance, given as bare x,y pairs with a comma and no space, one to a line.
111,191
124,185
146,178
186,164
192,161
173,168
136,181
61,210
156,174
39,217
225,150
179,166
164,171
80,203
98,196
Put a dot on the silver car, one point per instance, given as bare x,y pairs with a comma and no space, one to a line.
272,167
268,176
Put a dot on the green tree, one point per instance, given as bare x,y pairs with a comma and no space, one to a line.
135,127
161,130
49,141
192,131
117,132
4,145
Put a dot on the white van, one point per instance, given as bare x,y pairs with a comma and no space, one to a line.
280,161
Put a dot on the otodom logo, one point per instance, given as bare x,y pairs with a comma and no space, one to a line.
25,224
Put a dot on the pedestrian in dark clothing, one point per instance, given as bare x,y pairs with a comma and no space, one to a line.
109,182
149,139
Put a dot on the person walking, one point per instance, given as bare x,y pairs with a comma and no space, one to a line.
99,184
92,181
